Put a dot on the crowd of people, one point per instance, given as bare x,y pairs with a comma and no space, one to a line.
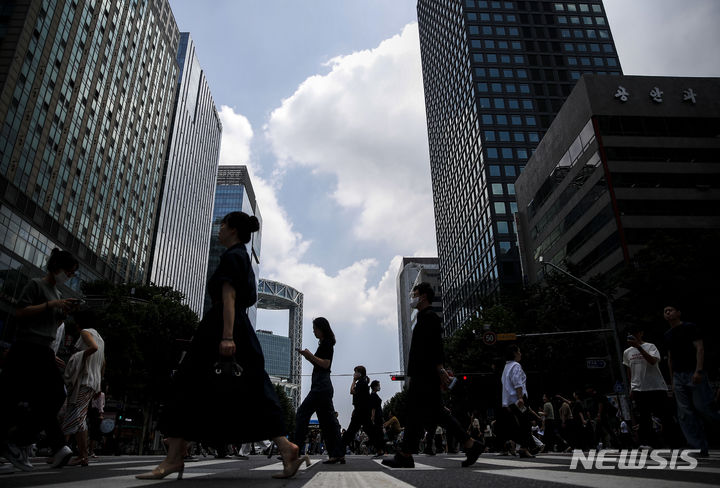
224,366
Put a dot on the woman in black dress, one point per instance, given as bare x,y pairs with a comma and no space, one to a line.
321,394
208,401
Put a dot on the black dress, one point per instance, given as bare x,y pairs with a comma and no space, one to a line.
219,409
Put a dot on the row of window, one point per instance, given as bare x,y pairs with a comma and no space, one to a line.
506,87
585,33
504,136
584,48
495,58
501,119
486,30
518,153
501,103
487,4
485,17
521,74
585,20
493,44
503,208
572,7
612,62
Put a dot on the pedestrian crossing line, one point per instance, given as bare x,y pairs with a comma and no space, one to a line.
198,464
354,479
511,463
279,466
590,480
418,467
119,481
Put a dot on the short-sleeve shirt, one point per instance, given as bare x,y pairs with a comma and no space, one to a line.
234,268
513,377
549,411
41,328
643,375
321,376
679,342
361,398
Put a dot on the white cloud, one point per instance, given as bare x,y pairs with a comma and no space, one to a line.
364,123
236,137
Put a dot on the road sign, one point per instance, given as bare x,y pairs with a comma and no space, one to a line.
595,363
510,336
489,337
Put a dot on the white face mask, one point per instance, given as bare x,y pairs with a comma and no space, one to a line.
60,278
414,302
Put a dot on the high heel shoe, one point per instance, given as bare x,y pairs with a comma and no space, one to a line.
290,470
337,460
159,473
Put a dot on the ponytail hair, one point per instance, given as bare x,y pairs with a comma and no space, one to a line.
243,224
61,260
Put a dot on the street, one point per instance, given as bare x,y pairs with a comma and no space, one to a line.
442,471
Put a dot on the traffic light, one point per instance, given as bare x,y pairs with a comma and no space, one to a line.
397,377
464,377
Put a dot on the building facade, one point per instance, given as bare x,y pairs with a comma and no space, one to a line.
86,101
495,74
234,192
626,157
414,270
276,350
182,239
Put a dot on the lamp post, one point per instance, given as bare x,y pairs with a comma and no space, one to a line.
611,317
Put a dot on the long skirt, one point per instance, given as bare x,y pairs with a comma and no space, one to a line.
75,418
219,409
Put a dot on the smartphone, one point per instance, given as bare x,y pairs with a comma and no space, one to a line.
76,301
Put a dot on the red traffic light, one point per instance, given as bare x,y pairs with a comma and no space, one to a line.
397,377
464,377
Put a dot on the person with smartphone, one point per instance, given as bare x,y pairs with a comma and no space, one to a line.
514,402
320,398
32,374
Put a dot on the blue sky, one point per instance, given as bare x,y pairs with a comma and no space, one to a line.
323,100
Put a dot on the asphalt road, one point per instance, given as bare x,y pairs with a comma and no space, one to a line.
442,471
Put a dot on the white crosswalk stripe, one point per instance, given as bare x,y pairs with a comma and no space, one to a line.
279,466
354,479
418,466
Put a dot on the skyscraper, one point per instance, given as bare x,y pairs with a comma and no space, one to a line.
182,239
234,192
495,74
86,102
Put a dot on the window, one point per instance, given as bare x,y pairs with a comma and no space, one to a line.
572,61
516,45
598,61
519,136
492,153
474,30
585,61
513,207
491,58
507,153
484,102
575,20
480,72
578,33
608,48
496,87
510,87
510,171
562,19
584,7
497,189
476,44
501,119
511,188
565,33
513,104
494,72
482,87
524,88
505,58
507,73
516,120
489,44
595,48
505,247
522,153
477,58
494,170
587,20
499,103
500,31
611,61
530,120
502,227
487,119
559,7
510,18
490,135
502,45
487,30
604,34
591,34
571,7
521,73
527,104
500,207
504,136
514,31
597,9
568,47
575,75
471,16
519,59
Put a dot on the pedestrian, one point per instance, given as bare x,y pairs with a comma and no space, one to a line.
603,415
549,426
83,377
426,375
648,389
393,428
514,402
567,428
221,392
320,398
31,381
688,379
376,420
360,417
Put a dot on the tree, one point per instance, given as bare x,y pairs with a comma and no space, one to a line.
397,404
287,408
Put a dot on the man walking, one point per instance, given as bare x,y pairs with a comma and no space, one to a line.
647,386
426,375
688,380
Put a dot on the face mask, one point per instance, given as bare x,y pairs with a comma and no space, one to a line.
379,388
414,302
60,278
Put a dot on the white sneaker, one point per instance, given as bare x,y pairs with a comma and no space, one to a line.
17,456
61,457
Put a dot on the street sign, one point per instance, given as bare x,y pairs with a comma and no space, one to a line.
510,336
595,363
489,337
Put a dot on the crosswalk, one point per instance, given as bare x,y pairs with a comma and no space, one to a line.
361,472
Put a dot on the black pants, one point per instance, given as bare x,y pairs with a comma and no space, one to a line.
648,403
516,426
322,404
361,418
424,397
33,392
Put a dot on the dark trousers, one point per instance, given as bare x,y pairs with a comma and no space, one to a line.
33,392
648,403
361,418
322,404
424,397
516,426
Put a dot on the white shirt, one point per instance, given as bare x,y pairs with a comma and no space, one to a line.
513,377
643,375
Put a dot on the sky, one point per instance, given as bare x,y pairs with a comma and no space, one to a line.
323,101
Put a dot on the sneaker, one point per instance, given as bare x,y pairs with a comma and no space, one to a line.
61,457
473,453
6,469
399,461
17,456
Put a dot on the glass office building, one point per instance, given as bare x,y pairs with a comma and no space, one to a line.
234,192
86,99
276,350
182,238
495,74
